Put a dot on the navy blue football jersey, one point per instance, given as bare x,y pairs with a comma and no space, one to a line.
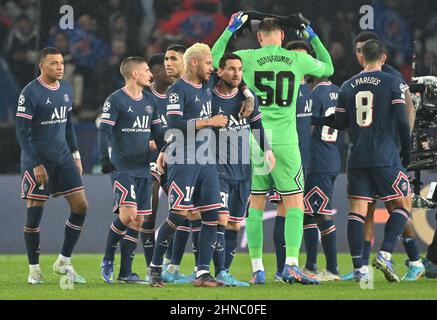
232,142
161,109
48,109
186,103
390,70
369,99
304,106
131,120
325,156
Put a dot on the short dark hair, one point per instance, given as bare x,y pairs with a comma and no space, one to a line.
46,51
298,44
125,66
178,48
364,36
372,50
228,56
156,59
269,25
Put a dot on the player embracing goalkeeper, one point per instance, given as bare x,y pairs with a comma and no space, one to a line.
274,73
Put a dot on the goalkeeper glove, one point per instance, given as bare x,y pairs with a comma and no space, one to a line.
107,165
237,21
306,33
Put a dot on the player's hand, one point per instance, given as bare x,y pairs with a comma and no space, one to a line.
406,158
237,21
218,121
306,33
78,164
107,165
161,162
247,107
296,21
152,146
41,175
270,159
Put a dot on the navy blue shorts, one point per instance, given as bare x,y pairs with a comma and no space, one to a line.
386,183
63,180
131,191
319,188
193,187
235,195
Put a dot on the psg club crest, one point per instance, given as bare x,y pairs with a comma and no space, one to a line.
149,109
66,98
171,198
404,186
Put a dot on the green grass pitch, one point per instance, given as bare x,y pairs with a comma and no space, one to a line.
14,271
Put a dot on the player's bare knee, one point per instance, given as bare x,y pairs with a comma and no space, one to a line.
192,216
34,203
257,202
280,209
223,219
233,226
321,218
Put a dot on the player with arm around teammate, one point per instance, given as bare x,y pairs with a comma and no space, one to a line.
233,162
267,71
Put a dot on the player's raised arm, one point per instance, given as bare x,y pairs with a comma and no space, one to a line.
320,67
236,22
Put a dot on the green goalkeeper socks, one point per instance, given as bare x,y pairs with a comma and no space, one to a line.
254,232
293,232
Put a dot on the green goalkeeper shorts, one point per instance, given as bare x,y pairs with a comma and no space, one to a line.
287,176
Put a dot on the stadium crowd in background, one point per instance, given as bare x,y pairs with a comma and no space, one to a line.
107,31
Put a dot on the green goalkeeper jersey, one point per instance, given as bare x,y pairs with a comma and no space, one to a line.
275,73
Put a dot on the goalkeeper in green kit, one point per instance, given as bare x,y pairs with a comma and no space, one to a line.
274,73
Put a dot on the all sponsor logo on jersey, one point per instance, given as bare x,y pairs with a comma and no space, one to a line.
59,115
140,124
206,109
237,123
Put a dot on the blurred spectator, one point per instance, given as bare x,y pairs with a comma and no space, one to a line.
21,50
5,26
86,48
108,72
118,27
17,8
148,21
200,22
70,70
